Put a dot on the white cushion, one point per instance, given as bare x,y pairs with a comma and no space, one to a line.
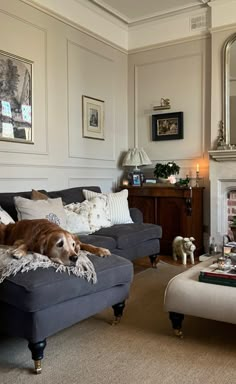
77,222
117,204
51,209
91,215
5,218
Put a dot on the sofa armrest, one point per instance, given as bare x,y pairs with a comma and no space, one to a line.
136,215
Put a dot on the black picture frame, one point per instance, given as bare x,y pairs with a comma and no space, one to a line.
16,99
136,179
167,126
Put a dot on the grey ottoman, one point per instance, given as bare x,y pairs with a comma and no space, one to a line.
37,304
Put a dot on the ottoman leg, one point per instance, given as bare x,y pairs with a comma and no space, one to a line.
37,354
176,320
118,312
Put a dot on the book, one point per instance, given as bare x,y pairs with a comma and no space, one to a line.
217,280
216,272
214,275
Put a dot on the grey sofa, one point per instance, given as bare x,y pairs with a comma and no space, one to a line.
39,303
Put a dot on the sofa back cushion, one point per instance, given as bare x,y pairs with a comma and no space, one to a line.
7,201
70,195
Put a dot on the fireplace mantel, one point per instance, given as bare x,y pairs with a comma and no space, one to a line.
223,154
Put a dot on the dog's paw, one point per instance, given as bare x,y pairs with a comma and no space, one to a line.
17,253
103,252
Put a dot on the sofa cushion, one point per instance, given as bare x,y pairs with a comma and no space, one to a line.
128,235
51,209
7,201
117,205
72,195
94,211
99,241
77,223
5,218
36,195
42,288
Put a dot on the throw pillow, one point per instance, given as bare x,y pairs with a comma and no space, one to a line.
117,204
94,211
51,209
5,218
36,195
77,222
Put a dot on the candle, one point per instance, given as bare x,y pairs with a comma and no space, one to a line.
197,167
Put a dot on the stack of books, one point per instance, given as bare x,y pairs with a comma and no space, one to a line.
214,275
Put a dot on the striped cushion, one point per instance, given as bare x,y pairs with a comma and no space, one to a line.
117,205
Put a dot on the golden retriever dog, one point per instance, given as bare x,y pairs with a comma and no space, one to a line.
47,238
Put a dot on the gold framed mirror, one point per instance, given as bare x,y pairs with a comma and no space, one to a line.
229,91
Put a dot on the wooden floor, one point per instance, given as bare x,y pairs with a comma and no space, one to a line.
144,263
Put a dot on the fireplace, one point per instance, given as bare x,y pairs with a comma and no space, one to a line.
222,197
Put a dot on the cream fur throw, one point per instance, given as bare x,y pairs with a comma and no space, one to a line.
9,266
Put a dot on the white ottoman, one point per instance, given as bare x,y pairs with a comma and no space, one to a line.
185,295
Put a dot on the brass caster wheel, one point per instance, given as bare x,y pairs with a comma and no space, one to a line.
116,321
37,367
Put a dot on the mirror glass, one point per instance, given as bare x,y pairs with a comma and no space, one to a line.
229,94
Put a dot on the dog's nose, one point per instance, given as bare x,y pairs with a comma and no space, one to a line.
73,258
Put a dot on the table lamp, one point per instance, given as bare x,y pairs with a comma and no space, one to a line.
136,157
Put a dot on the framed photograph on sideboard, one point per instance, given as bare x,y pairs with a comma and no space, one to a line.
136,179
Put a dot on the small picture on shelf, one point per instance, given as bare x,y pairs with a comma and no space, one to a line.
136,179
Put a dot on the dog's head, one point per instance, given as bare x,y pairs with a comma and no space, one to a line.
61,247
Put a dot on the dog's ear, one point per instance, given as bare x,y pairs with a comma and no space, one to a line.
2,233
185,239
43,245
77,243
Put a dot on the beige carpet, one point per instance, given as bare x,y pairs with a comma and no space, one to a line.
141,350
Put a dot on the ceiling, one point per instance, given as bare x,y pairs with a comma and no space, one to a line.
131,11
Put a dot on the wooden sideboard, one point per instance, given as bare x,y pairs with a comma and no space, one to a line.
178,210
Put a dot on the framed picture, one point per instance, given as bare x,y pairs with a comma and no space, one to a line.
136,179
15,99
93,118
167,126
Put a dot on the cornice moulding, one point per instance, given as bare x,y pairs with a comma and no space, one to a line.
203,35
222,28
122,45
118,38
149,17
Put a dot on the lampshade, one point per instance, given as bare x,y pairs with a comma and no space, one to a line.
135,157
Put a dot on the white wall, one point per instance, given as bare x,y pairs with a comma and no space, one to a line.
67,64
178,72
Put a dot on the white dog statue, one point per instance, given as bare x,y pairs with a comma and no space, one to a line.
183,247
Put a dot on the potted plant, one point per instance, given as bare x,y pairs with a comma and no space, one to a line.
163,171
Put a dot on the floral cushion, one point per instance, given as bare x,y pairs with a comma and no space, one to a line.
91,215
5,218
